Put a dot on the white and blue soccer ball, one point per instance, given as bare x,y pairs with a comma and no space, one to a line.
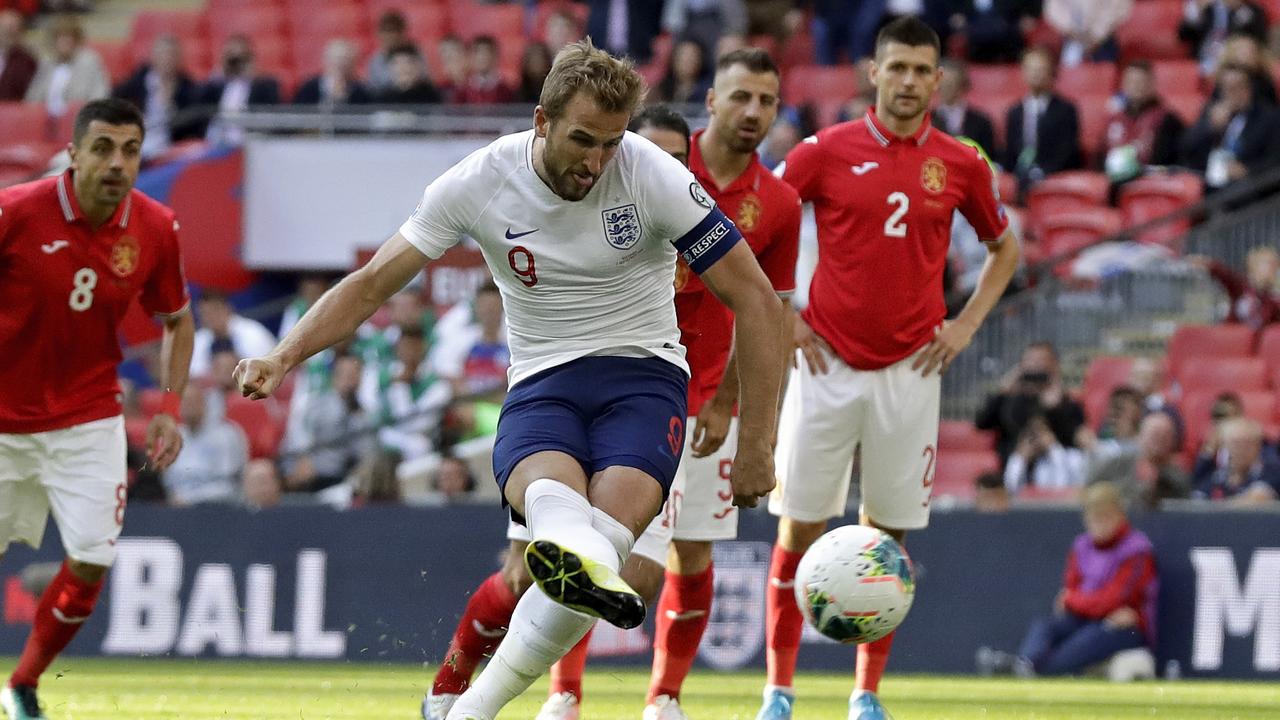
855,584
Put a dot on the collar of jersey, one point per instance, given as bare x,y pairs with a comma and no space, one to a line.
71,207
750,178
881,134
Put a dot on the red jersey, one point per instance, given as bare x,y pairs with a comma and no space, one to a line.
767,213
64,287
884,206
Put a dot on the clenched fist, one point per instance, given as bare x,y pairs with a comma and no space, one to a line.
257,378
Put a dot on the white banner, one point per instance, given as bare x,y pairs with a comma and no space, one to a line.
312,203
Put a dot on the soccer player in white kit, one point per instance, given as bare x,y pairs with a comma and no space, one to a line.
583,246
884,190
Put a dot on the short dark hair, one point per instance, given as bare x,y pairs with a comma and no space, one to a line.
662,117
112,111
392,21
909,30
757,60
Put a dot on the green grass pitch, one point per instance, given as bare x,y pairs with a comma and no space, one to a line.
83,689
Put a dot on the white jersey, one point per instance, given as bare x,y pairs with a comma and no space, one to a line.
591,277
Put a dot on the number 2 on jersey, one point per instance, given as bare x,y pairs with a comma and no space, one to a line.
82,285
894,226
528,274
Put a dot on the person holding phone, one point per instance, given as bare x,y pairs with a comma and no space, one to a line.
1032,387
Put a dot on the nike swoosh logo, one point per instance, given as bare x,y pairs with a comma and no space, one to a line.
686,615
865,168
782,584
54,246
513,236
68,620
483,631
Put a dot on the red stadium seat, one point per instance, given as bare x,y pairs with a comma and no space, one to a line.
272,55
1221,341
1067,192
474,19
961,435
427,23
257,21
1177,77
317,22
812,83
1152,31
1155,196
1093,113
150,24
20,162
958,469
150,401
1087,80
1269,351
1106,372
261,422
1259,406
116,58
24,122
995,79
544,10
236,5
1215,374
1073,231
308,55
1187,106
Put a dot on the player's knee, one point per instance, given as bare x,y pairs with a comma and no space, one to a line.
797,535
87,572
690,557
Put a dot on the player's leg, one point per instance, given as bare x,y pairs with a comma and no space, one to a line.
818,431
898,460
482,626
1093,643
83,477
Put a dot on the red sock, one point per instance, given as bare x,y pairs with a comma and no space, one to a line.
683,611
481,628
872,657
63,608
782,633
566,675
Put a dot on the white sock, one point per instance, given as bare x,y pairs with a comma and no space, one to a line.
541,632
555,512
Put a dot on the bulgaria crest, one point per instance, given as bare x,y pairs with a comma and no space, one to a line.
749,213
124,256
933,175
622,226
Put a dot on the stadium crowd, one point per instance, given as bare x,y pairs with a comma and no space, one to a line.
1135,91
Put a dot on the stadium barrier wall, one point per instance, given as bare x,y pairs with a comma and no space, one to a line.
387,584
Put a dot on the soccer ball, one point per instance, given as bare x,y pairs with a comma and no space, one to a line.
855,584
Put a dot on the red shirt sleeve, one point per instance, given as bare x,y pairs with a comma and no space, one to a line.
982,206
778,260
1117,593
1071,579
802,168
166,290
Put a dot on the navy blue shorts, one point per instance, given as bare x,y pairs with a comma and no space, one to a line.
602,411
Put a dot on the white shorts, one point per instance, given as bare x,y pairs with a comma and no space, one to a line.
891,412
701,493
78,473
651,544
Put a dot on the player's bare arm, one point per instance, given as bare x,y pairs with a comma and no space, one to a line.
335,316
164,442
955,335
737,280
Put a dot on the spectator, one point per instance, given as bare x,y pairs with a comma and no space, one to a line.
410,84
846,26
485,85
562,28
310,287
1226,406
214,453
1033,387
405,398
1143,132
625,28
325,446
481,372
17,66
71,73
535,63
453,480
704,22
163,91
1207,23
1247,52
221,370
1149,472
393,33
990,494
858,106
1236,135
954,115
1255,296
222,327
785,133
337,84
1039,460
1043,129
1107,603
453,68
686,80
1088,28
261,485
234,88
1147,377
994,29
1240,472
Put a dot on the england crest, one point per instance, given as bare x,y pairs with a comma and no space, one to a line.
622,226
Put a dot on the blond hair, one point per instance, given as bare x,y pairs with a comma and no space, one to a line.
1103,494
612,82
